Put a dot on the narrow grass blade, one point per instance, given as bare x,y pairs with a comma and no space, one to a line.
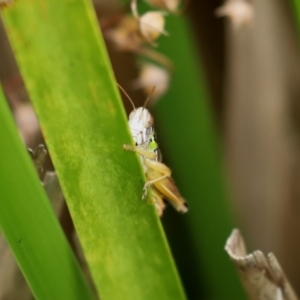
68,76
29,224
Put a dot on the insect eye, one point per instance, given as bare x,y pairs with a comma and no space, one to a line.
148,121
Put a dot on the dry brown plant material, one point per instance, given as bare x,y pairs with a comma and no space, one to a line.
261,276
38,157
126,37
126,34
27,122
54,192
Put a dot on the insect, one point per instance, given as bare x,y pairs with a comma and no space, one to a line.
159,180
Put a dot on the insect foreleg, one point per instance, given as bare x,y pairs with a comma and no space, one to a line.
141,151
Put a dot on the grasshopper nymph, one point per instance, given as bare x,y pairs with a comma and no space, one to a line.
158,175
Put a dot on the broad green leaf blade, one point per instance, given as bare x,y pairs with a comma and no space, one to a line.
187,134
29,224
67,73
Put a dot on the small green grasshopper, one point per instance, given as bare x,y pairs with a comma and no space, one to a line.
158,175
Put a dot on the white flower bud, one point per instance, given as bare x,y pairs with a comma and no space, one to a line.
153,76
240,12
152,25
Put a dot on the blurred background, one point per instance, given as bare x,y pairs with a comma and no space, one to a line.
251,75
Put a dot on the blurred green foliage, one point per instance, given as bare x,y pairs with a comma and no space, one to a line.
191,147
296,6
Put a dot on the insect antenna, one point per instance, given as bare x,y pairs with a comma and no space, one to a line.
128,97
149,97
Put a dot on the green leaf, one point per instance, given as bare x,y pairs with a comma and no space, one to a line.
68,76
29,224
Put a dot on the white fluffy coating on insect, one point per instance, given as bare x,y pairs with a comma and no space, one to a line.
152,25
151,75
141,125
170,5
240,12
